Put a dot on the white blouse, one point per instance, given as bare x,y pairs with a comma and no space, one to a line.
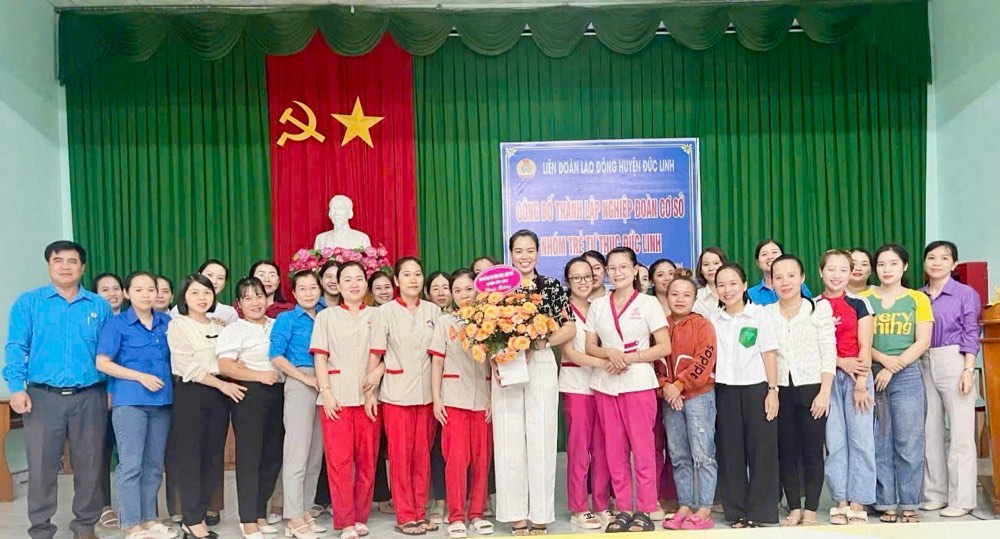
248,343
807,344
705,303
629,331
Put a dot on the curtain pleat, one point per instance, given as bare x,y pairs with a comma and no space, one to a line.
86,37
169,162
820,146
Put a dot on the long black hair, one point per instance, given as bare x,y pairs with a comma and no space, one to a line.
743,277
279,295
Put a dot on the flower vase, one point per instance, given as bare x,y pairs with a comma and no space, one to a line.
514,371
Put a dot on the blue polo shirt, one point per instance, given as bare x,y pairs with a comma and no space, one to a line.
128,343
291,334
762,295
59,336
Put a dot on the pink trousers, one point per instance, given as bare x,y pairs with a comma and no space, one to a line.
585,455
628,421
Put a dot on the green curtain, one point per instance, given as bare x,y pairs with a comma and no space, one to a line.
169,161
819,145
86,37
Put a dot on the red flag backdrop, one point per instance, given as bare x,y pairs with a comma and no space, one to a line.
306,172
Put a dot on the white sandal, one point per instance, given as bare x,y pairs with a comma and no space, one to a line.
839,515
457,530
482,526
362,529
313,527
350,533
857,517
162,531
586,520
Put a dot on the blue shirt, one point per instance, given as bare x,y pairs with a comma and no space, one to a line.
59,336
128,343
762,295
291,334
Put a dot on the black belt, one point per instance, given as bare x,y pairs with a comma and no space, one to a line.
64,391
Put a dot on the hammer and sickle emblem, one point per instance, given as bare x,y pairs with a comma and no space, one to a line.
308,128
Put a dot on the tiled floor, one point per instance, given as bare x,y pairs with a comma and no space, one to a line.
13,521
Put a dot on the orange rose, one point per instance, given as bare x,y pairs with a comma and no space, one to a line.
532,332
491,311
553,325
521,343
506,326
479,353
540,325
536,298
495,298
470,330
488,327
466,312
521,328
518,318
529,309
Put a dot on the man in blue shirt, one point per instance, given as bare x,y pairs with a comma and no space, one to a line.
50,368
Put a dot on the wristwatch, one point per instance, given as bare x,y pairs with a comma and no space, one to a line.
773,388
969,369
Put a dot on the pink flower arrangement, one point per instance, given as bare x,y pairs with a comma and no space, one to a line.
373,258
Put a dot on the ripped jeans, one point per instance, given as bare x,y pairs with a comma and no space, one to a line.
691,441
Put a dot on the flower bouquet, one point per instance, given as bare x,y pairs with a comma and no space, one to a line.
373,258
501,327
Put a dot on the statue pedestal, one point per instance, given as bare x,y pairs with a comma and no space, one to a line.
991,373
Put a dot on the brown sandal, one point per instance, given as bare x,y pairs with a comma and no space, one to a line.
910,517
410,528
889,517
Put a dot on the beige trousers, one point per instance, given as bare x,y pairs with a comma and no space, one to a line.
950,470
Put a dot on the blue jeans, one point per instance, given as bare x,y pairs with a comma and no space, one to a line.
850,441
899,441
141,432
691,442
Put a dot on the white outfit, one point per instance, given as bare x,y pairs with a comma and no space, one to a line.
740,362
629,331
705,303
248,342
807,344
575,378
525,426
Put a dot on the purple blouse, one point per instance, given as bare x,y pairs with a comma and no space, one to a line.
956,317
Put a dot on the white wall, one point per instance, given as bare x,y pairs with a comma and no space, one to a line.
34,194
964,161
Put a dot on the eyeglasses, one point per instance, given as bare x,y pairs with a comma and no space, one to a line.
577,279
620,269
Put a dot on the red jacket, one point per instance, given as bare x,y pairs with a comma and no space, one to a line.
691,364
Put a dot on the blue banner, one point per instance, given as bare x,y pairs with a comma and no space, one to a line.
599,194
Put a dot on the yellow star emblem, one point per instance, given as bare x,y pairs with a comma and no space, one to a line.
357,124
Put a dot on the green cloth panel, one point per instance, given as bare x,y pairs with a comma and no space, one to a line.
86,37
819,145
170,162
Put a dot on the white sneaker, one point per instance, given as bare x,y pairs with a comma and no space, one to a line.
932,506
164,532
267,529
273,518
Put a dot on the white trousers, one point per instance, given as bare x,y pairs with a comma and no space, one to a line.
303,449
525,426
950,470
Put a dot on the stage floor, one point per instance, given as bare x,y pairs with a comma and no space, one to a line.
14,521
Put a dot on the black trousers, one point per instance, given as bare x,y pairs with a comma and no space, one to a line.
322,497
260,433
382,492
800,439
438,488
200,424
746,440
109,449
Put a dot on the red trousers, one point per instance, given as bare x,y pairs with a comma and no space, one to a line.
467,445
351,446
410,433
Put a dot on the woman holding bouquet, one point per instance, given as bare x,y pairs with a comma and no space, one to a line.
620,328
461,390
350,434
398,359
525,415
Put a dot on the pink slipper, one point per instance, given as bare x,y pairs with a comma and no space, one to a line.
695,522
674,523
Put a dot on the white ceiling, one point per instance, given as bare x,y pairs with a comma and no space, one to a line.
452,4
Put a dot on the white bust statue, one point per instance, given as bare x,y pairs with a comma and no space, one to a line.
342,235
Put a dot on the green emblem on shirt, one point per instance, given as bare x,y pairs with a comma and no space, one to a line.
748,336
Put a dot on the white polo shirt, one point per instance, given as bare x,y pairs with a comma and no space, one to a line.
575,378
247,343
741,340
630,331
705,303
